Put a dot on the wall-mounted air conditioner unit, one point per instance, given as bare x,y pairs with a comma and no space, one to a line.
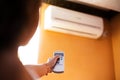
71,22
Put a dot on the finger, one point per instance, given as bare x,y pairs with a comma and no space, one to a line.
56,57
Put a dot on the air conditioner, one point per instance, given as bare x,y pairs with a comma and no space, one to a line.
72,22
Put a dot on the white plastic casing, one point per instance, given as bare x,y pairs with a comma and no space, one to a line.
67,21
59,67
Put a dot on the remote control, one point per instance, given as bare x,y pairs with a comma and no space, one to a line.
59,66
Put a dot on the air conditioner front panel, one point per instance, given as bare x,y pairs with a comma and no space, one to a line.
74,16
75,27
72,22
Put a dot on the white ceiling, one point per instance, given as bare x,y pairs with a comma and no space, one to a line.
106,4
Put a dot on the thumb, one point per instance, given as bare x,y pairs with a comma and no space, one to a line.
53,61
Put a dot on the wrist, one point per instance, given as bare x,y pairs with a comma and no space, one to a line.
49,69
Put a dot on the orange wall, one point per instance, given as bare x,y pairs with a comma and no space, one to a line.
116,44
85,59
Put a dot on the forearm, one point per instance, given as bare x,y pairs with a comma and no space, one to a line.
37,71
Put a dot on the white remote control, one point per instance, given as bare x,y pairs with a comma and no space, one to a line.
59,66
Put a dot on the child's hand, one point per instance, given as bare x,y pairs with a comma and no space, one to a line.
51,63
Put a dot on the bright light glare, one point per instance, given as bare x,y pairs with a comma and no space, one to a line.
29,54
